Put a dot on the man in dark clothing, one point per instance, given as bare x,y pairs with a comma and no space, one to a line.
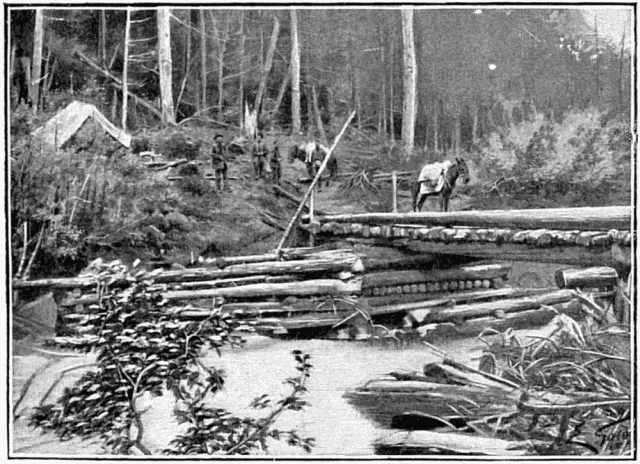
275,164
219,162
259,153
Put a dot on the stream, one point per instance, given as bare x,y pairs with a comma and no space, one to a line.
260,367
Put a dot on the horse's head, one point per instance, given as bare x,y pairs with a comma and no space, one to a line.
463,170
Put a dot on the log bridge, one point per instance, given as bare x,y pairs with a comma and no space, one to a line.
590,236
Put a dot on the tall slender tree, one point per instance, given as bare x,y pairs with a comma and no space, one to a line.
125,69
295,74
165,65
36,68
409,91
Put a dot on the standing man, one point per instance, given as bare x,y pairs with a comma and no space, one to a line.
219,162
275,164
259,153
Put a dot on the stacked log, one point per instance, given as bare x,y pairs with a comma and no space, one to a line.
594,277
415,281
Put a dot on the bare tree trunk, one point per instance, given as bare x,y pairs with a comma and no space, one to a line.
165,65
295,74
103,38
203,63
436,110
283,89
392,127
409,100
187,60
125,70
241,84
222,47
45,78
620,79
316,109
268,63
474,129
36,67
597,61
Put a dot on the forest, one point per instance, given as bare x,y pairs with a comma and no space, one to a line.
115,220
538,100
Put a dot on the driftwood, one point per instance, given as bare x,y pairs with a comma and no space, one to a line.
593,277
586,218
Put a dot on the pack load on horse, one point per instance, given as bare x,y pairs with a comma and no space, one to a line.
313,154
438,179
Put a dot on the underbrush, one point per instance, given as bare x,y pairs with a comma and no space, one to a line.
583,160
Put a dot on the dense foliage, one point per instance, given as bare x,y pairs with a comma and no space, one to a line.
143,346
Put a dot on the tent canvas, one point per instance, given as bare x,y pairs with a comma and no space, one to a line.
60,128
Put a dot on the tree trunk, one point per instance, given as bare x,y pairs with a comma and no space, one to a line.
203,62
268,63
281,92
165,65
222,47
316,110
103,38
125,70
593,277
36,68
118,84
584,219
392,127
620,75
464,273
484,309
410,71
597,61
474,129
295,75
241,79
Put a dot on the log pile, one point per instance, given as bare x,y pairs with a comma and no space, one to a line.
594,236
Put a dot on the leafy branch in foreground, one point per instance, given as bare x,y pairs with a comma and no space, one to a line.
215,431
144,347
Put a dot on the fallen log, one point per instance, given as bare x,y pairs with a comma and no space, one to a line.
505,306
586,218
570,255
117,83
271,222
383,399
294,199
463,273
336,263
235,282
288,254
429,443
475,326
309,287
594,277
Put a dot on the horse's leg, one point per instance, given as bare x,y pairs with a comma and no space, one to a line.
415,188
444,203
423,198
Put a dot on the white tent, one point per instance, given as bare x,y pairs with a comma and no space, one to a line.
59,129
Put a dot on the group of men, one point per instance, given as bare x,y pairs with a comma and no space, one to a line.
259,154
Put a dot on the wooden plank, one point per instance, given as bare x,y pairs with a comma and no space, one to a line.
585,219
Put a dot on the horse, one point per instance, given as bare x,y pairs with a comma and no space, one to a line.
304,151
438,179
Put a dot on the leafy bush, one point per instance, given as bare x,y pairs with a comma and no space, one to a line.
578,161
143,346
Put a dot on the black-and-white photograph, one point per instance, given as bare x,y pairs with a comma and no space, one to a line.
320,231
